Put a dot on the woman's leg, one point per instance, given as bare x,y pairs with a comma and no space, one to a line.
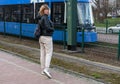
42,53
49,51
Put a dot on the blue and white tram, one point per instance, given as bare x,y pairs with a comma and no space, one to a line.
17,17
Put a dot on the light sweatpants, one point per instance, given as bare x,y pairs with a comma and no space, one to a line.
46,50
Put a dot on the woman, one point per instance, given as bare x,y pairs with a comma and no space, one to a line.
45,40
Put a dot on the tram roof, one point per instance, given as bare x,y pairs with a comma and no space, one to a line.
8,2
67,0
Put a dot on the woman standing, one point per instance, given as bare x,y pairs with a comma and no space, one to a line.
45,40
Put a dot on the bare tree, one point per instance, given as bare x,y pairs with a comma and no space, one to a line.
96,9
114,7
101,9
118,6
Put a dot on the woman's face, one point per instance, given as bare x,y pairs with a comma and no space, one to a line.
46,11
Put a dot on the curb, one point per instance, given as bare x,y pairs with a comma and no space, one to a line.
74,59
55,67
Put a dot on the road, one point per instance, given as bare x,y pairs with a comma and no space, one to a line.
109,38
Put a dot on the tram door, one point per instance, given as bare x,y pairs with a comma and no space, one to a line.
57,15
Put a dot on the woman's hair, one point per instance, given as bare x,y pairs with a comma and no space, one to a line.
42,8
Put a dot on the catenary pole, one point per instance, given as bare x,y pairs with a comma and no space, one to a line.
72,24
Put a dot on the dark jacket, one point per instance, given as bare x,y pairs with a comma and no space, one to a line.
46,25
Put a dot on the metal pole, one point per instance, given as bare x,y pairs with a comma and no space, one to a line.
4,28
118,57
4,23
72,24
20,36
34,9
64,38
82,40
106,25
20,30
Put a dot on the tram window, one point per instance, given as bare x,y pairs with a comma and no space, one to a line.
28,13
16,13
8,13
58,13
12,13
1,14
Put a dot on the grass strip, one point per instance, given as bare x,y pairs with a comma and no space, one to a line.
107,76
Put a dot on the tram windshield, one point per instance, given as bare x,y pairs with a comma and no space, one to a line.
85,15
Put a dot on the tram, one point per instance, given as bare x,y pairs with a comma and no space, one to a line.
17,17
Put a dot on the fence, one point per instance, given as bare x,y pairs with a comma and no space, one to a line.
102,27
104,50
107,48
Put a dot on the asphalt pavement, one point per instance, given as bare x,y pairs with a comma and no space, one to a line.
16,70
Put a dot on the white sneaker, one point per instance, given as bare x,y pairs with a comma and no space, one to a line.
47,73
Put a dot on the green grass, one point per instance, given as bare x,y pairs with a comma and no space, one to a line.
99,24
111,22
109,77
96,75
114,21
